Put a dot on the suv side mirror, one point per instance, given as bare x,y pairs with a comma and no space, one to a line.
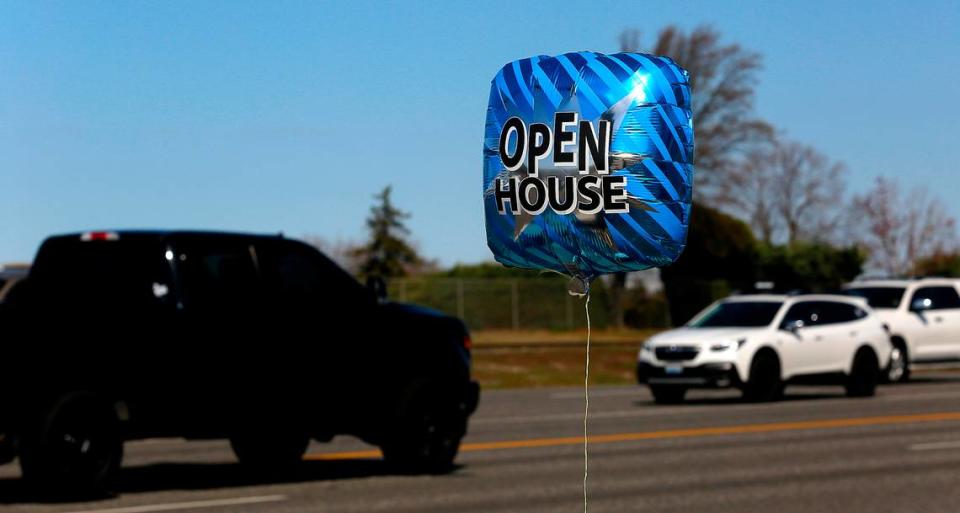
377,287
793,327
921,305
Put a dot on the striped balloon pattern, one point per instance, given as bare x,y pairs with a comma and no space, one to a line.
647,101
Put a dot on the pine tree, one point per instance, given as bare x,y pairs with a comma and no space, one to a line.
387,253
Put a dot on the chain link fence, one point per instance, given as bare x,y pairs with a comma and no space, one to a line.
504,303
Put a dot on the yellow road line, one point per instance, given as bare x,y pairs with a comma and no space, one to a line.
675,433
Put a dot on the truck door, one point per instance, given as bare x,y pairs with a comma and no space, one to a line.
221,329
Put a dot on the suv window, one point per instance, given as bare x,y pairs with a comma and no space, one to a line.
941,298
879,297
835,313
807,312
737,314
819,313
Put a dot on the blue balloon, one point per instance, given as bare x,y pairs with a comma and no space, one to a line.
588,163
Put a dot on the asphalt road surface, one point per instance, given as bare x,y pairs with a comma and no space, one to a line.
814,452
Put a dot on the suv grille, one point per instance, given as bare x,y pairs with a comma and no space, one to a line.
676,353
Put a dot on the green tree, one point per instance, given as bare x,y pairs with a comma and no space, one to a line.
387,253
643,309
720,258
811,267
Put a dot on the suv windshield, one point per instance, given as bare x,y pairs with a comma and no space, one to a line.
750,314
879,297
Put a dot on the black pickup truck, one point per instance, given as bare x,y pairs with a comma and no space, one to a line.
263,340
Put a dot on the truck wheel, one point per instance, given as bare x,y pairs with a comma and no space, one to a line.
667,394
862,381
764,383
898,371
73,446
270,449
427,435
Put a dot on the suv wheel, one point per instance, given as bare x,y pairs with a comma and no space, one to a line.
426,436
764,383
73,446
667,394
862,381
898,371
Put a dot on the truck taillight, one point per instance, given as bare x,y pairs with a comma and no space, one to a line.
467,342
92,236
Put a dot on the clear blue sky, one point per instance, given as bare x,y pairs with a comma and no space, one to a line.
270,116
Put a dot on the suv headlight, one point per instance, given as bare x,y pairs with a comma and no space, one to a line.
646,347
724,346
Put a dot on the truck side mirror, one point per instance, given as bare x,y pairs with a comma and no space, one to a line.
377,287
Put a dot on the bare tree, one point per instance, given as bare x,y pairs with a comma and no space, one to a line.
808,192
749,194
899,229
723,78
788,192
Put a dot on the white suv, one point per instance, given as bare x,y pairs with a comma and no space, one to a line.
759,343
923,316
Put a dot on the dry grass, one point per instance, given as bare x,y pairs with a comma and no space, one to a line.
521,367
501,338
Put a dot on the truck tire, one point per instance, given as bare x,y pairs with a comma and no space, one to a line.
764,383
668,394
898,370
270,450
426,435
73,446
864,374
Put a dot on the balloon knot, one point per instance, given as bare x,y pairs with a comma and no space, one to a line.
579,286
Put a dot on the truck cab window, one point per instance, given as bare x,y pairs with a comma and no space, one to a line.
218,277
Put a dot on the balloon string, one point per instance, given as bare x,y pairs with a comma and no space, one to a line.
586,407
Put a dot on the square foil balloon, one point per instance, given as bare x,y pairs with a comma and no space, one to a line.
588,163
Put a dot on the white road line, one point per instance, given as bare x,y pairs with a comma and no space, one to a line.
935,446
173,506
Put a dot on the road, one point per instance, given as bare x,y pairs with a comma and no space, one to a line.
814,452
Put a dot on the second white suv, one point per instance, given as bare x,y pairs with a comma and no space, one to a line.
759,343
923,317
